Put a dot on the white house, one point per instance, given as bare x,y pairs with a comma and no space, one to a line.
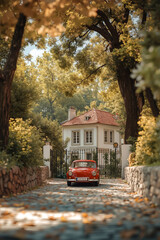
90,131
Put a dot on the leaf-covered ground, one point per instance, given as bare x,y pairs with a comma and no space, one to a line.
55,211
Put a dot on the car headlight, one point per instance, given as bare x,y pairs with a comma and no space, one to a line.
94,173
70,173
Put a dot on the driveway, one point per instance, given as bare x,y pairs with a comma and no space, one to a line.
55,211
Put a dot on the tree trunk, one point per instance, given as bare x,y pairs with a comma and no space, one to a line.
5,99
152,102
6,78
133,102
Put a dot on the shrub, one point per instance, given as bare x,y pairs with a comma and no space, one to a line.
148,142
131,159
25,143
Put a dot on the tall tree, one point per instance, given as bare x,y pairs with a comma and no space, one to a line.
45,18
53,80
6,78
117,26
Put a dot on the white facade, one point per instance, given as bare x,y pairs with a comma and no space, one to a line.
103,136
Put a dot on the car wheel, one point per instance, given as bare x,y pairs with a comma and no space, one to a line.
96,183
68,183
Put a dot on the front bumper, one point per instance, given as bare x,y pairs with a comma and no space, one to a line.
89,180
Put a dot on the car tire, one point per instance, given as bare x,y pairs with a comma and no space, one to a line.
96,183
68,183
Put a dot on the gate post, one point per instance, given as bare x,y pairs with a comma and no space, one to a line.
47,156
51,162
66,161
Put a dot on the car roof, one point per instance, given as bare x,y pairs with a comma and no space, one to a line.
84,161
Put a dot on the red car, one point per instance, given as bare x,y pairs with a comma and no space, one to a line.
83,171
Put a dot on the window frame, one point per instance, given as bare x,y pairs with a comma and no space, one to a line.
76,137
108,136
90,135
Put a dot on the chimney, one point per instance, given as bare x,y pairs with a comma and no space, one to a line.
71,113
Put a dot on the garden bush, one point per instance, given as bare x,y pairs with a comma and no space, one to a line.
25,144
148,142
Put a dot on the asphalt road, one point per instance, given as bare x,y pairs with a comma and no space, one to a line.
55,211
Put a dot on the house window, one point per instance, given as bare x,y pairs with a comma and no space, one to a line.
76,137
108,136
88,137
111,137
87,118
105,136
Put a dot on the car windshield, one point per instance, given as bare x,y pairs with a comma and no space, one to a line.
84,164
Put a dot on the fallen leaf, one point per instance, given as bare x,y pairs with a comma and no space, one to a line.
81,201
43,208
120,223
30,224
18,204
63,219
84,215
79,210
20,234
86,221
76,228
153,205
100,211
108,216
52,218
6,215
26,206
127,234
23,212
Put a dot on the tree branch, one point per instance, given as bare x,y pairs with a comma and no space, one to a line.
92,73
152,102
105,29
1,76
144,17
84,34
126,15
103,33
12,58
108,24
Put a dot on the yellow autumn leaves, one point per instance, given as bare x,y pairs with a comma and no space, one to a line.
148,142
25,142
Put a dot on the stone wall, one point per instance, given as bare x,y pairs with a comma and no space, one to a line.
44,173
17,180
145,181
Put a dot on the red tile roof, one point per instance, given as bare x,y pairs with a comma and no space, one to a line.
95,116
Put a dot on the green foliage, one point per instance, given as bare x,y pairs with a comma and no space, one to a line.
148,142
5,159
132,141
148,76
51,130
95,157
25,144
4,45
25,91
148,71
114,103
58,93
